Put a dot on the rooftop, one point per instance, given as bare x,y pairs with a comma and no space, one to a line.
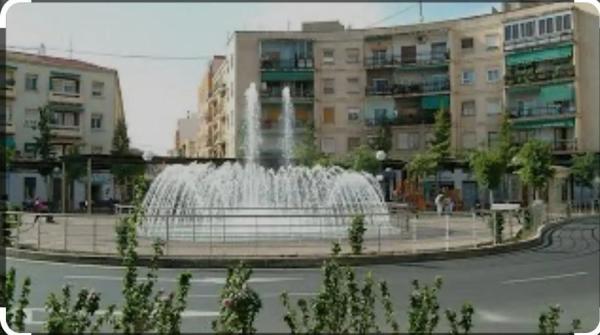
18,56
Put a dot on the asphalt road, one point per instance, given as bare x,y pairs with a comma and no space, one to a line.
508,290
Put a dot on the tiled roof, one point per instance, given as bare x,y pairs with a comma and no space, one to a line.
17,56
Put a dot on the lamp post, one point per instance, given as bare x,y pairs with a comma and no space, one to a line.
380,156
595,202
55,173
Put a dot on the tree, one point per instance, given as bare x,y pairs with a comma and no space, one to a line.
124,173
363,159
44,147
584,169
307,153
534,161
488,168
439,147
15,315
75,169
356,234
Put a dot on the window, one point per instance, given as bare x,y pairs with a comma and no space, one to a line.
328,145
352,55
353,85
559,23
492,139
353,113
96,149
466,43
408,54
329,115
96,121
353,143
6,115
528,29
468,77
380,85
507,33
407,141
468,108
328,56
379,56
541,27
567,22
493,75
469,140
492,41
97,89
515,31
29,148
493,106
68,119
64,86
31,82
31,118
29,186
328,86
438,51
549,25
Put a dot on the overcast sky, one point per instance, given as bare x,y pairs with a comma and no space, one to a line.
158,92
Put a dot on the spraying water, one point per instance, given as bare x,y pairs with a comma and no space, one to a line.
287,144
253,114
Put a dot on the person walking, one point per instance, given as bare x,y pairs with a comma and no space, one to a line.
439,203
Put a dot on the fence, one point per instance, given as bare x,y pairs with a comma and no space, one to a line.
401,232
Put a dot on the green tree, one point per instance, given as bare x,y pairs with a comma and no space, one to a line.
240,304
307,153
439,146
15,315
75,169
356,233
488,167
363,158
584,168
421,165
124,173
534,161
44,147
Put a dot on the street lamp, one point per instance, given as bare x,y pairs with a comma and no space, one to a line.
147,156
380,156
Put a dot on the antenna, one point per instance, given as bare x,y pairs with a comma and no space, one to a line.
70,47
421,18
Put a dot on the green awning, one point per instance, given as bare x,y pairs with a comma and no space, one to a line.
546,123
435,102
539,55
287,76
54,74
560,92
9,142
523,89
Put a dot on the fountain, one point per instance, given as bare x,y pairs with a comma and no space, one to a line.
243,202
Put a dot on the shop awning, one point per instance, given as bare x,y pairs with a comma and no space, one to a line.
539,55
560,92
546,123
287,76
435,102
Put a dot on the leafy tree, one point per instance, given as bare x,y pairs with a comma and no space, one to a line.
75,168
506,147
124,173
15,315
584,168
307,153
383,140
143,309
342,305
488,167
534,161
240,304
356,234
423,315
549,321
44,147
439,146
363,158
465,324
421,166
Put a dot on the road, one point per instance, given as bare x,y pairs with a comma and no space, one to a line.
508,290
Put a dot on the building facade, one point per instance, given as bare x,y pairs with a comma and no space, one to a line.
85,103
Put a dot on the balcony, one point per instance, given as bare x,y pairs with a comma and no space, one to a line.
7,128
8,90
422,117
416,61
274,95
537,41
560,146
275,127
532,76
410,89
542,111
65,132
65,97
301,64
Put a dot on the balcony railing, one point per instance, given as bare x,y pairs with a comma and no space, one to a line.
565,36
277,94
558,144
409,88
286,64
268,124
417,60
531,75
68,97
7,88
541,111
423,117
59,130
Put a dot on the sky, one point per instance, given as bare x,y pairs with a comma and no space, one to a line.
158,92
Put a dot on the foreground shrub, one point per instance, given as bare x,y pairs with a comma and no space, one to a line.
356,234
15,315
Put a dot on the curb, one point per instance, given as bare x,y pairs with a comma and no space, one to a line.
289,261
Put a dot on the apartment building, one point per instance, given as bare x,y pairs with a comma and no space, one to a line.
85,103
186,136
211,104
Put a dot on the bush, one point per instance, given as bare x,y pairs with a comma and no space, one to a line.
549,321
240,304
499,226
356,234
15,315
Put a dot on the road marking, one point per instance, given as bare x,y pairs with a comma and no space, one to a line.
526,280
207,280
262,295
186,314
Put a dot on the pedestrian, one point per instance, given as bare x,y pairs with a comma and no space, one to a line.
439,203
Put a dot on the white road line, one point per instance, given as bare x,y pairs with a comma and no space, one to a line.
526,280
40,310
207,280
262,295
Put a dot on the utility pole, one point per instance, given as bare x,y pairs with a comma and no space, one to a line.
70,48
421,18
64,187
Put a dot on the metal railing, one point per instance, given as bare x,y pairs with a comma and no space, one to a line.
422,117
413,60
410,88
286,64
541,110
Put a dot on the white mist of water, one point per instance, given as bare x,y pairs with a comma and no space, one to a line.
253,114
289,118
